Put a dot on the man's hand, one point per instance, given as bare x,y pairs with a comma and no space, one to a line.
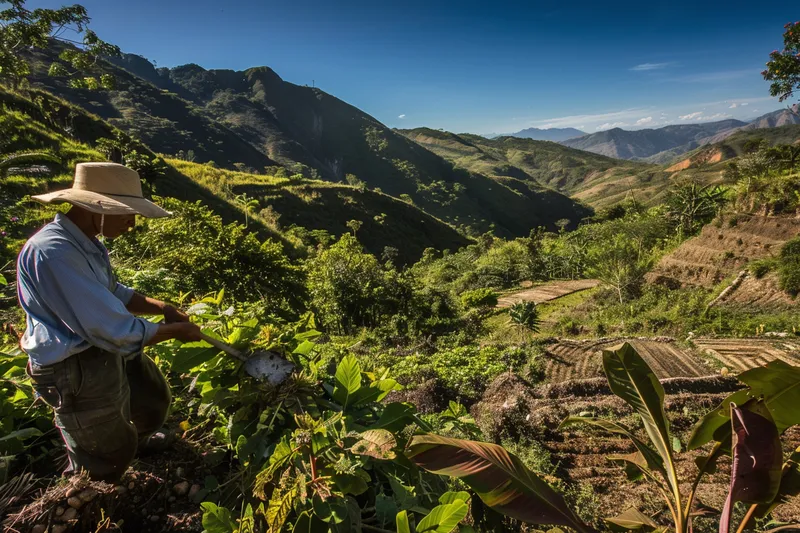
173,315
186,331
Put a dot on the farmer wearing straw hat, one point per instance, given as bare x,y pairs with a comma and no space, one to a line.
83,341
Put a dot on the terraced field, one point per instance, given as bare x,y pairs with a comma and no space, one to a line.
570,359
547,291
738,355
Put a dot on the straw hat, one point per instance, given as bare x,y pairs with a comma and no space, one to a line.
106,188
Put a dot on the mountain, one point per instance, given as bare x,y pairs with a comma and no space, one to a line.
641,144
549,134
781,117
597,180
253,119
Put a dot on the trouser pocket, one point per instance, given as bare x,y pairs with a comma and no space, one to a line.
45,384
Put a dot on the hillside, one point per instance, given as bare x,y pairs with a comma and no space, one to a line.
254,119
548,134
284,202
594,179
641,144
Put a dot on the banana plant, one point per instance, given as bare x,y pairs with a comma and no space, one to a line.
747,425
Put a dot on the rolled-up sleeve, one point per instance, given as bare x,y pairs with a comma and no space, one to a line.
88,308
123,293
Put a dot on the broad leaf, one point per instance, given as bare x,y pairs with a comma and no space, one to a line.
348,380
402,522
777,383
396,416
3,281
331,511
443,518
631,520
757,459
22,434
452,497
350,484
217,519
790,485
377,443
191,355
280,505
630,378
651,458
499,478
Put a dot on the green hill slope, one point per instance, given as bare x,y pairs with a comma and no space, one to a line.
42,122
595,179
256,119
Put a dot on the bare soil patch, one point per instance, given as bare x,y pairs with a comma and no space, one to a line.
547,291
738,355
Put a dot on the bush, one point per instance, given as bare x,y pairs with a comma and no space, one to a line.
760,268
479,298
789,267
525,314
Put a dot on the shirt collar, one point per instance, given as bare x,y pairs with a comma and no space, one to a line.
90,245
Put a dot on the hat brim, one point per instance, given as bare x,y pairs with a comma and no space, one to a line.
105,204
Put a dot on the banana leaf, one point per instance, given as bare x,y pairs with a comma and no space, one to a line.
498,477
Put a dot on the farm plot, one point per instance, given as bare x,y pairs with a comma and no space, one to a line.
568,360
547,291
742,354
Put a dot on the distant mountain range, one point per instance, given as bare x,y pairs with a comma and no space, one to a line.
537,134
661,145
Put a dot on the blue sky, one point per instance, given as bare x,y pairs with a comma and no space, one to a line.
481,67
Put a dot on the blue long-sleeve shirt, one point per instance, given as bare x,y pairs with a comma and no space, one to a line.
68,291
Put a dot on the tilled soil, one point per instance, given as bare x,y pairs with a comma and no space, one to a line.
742,354
547,291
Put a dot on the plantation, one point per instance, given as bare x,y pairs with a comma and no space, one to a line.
456,366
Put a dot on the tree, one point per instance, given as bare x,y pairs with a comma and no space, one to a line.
525,314
783,67
249,205
21,29
693,205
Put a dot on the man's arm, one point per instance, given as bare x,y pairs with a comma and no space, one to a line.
140,304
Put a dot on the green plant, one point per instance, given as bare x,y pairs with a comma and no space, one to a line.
761,267
525,314
789,267
479,298
783,68
747,423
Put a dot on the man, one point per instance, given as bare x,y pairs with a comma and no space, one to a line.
82,338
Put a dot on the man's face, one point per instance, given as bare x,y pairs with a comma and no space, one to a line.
116,225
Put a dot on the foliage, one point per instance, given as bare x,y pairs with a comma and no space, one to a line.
479,298
783,67
525,314
789,267
620,264
193,251
694,205
764,409
21,28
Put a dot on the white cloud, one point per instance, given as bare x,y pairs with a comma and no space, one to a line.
401,116
650,66
609,125
744,104
691,116
715,116
734,106
643,121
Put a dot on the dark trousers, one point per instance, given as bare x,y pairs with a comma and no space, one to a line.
104,406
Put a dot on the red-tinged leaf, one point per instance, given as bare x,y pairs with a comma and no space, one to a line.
631,520
498,477
757,458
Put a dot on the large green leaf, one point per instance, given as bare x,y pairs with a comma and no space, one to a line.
348,380
443,518
499,478
630,378
191,355
217,519
377,443
631,520
757,459
651,458
778,383
402,522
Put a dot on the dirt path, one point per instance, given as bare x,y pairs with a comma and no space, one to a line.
548,291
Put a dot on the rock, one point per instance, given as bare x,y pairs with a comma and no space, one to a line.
182,488
39,528
160,510
171,499
180,471
74,502
193,491
70,514
155,518
59,511
87,495
121,489
72,491
131,485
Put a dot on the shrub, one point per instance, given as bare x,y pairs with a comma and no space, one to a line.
525,314
789,267
760,268
479,298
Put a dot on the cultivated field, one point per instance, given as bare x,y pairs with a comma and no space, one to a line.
547,291
738,355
